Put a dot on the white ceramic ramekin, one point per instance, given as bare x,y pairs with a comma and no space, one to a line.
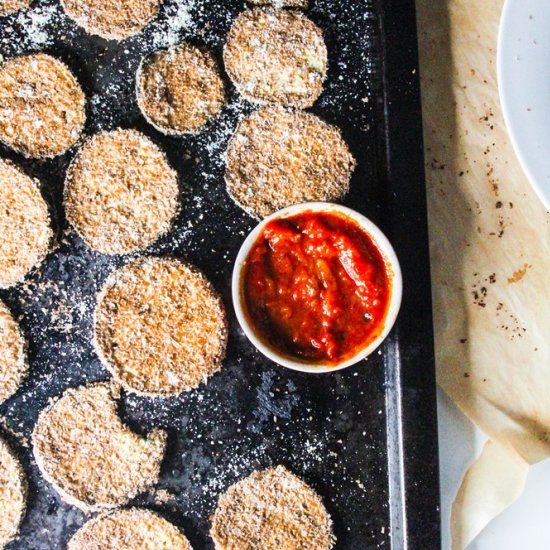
387,252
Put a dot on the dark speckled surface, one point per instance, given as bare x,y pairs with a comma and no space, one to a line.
364,438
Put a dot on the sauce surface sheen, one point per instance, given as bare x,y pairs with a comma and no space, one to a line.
316,287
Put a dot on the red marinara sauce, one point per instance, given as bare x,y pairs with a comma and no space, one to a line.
316,287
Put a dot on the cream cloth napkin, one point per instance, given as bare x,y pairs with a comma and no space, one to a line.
490,254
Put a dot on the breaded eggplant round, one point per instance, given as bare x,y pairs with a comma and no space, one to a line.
130,529
160,327
179,90
281,157
13,494
271,509
121,195
112,19
24,225
13,362
8,7
281,3
276,56
42,106
90,457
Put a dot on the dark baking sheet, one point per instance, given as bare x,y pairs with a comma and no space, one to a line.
365,438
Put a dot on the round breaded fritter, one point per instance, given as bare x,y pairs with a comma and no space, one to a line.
42,106
130,529
121,194
24,225
112,19
160,327
280,157
13,494
11,6
90,457
13,363
271,509
281,3
276,56
180,89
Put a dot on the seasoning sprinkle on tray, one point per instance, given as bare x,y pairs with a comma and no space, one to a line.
141,186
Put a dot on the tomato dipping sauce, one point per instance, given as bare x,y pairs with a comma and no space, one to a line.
316,287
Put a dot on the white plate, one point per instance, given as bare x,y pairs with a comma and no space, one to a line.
523,63
525,524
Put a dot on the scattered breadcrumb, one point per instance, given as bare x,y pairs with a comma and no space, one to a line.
131,529
280,157
13,494
281,3
91,458
160,327
11,6
42,106
180,18
180,89
24,225
518,275
112,19
121,194
162,496
276,56
13,363
271,510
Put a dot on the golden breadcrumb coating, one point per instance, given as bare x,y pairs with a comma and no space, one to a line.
24,225
271,510
160,327
280,157
180,89
281,3
112,19
42,106
121,194
276,56
13,494
130,529
13,363
11,6
90,457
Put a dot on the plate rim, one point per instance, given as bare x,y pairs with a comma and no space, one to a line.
506,109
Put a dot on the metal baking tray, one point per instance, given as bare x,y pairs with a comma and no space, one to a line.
364,438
